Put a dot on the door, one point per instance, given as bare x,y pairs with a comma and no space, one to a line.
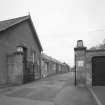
98,71
25,70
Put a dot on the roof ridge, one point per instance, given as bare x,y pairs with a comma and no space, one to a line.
6,24
9,23
14,18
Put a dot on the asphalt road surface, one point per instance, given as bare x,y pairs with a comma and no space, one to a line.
55,90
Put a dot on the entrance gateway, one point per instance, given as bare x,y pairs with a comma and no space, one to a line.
98,71
89,66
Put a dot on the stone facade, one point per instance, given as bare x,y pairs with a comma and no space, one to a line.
15,68
14,32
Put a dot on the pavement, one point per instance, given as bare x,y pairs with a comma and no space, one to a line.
98,93
55,90
74,96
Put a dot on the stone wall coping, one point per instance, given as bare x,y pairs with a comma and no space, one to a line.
97,50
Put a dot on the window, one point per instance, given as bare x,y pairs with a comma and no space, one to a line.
33,56
80,63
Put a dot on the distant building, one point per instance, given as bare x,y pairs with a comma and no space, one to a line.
51,66
89,65
18,35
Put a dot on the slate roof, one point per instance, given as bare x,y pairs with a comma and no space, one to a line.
4,25
50,58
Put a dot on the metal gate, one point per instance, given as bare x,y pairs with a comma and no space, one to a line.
98,71
28,72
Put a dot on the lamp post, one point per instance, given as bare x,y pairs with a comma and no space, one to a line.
75,71
19,49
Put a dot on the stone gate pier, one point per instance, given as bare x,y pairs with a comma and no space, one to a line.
89,65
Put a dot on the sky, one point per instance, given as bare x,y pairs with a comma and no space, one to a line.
60,23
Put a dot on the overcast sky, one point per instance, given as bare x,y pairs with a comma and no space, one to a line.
60,23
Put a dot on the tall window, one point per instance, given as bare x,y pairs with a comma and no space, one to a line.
33,56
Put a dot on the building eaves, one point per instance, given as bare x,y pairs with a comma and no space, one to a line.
6,24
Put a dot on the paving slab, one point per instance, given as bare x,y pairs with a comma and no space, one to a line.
74,96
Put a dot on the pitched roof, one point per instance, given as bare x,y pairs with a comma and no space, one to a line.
4,25
50,58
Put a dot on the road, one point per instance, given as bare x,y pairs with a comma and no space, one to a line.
55,90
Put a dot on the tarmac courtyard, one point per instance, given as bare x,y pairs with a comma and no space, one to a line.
55,90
